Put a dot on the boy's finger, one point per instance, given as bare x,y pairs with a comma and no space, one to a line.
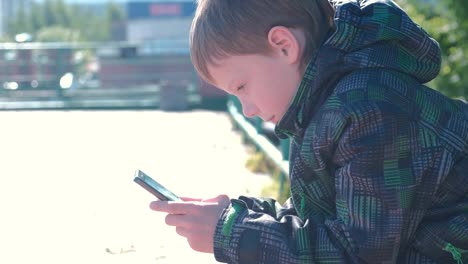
180,220
221,197
158,205
173,207
191,199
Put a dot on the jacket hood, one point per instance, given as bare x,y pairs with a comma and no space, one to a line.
369,34
379,34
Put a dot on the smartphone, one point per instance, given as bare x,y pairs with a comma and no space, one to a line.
154,187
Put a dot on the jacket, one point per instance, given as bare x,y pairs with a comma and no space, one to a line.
378,163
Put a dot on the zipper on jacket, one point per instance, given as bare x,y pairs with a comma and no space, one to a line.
456,254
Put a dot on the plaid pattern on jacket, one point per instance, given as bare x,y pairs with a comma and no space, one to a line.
379,162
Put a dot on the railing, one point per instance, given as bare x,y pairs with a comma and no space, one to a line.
167,97
255,131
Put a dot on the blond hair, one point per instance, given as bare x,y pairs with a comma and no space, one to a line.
239,27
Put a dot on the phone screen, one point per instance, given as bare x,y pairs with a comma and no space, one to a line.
154,187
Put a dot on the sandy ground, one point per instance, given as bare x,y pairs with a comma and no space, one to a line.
67,191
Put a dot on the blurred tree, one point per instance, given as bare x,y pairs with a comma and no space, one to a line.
20,24
55,20
447,22
93,28
114,12
37,17
58,34
5,39
460,9
62,13
51,16
115,21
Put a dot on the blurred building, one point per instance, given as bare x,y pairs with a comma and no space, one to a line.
9,9
147,21
155,50
156,34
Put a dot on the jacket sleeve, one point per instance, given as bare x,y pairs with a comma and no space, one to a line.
252,230
383,162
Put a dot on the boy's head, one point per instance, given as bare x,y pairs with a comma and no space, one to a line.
270,41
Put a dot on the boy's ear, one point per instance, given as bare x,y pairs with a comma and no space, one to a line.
285,43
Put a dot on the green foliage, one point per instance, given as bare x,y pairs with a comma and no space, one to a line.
5,39
460,9
36,18
273,190
447,22
58,34
259,163
114,12
54,20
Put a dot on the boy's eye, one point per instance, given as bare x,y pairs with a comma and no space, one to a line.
240,87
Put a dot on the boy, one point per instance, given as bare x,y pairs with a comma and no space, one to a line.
378,165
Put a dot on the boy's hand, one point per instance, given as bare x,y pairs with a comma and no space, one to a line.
194,219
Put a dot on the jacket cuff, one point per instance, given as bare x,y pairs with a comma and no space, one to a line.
225,247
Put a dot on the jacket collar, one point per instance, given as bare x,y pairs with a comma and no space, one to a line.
318,81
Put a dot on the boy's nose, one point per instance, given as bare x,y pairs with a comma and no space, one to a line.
250,110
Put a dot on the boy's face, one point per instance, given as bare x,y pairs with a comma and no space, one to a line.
265,85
